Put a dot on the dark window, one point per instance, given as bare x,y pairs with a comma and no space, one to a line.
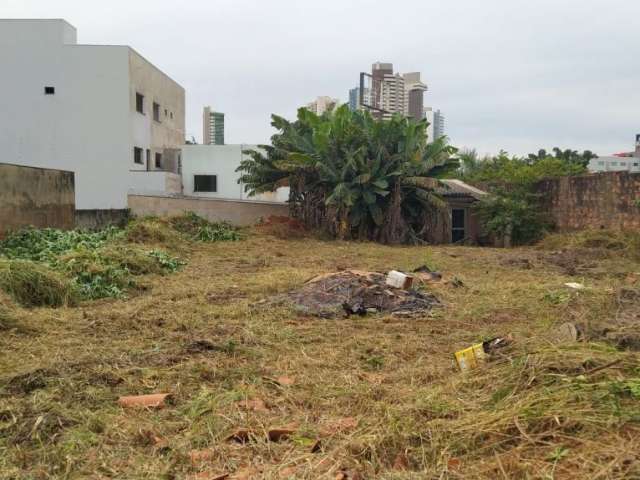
166,113
205,183
158,160
148,159
156,112
171,115
139,103
457,225
137,155
49,90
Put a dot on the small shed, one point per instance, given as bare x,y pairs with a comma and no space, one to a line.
458,223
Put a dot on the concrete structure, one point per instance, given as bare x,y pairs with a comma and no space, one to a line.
391,94
212,127
101,111
436,123
209,171
603,200
322,104
35,197
237,212
614,164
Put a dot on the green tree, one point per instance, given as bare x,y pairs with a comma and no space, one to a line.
352,175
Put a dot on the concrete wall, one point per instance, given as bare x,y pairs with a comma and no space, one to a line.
89,125
237,212
222,161
602,200
82,127
35,197
155,183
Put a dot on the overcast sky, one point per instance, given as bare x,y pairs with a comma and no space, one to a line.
515,75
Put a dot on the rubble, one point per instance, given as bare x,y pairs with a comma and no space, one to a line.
357,292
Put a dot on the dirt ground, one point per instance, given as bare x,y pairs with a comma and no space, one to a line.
264,391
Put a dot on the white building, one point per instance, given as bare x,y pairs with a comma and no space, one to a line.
322,104
101,111
210,171
212,127
614,164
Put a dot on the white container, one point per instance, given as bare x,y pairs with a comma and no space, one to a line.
399,280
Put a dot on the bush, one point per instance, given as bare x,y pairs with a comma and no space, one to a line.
200,229
33,285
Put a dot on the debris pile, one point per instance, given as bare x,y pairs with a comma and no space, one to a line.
358,292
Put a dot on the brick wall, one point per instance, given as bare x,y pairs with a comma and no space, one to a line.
602,200
36,197
237,212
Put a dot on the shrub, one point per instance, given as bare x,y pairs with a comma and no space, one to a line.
32,285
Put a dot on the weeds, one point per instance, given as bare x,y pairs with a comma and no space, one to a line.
200,229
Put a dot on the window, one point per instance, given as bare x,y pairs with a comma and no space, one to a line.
139,103
614,164
171,115
156,112
635,164
166,113
148,158
49,90
205,183
158,160
601,163
137,155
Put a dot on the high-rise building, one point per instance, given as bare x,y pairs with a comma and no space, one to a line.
322,104
354,99
212,127
390,93
436,123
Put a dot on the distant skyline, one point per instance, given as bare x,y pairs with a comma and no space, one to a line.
515,75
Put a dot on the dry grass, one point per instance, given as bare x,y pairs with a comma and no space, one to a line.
382,394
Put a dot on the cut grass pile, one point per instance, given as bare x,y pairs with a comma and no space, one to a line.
375,396
93,265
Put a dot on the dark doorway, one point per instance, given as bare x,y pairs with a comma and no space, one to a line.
457,225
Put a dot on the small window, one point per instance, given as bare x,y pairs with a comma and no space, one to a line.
614,164
148,158
171,115
158,160
166,112
601,163
156,112
635,164
137,155
205,183
49,90
139,103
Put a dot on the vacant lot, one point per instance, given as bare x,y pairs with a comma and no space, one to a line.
375,396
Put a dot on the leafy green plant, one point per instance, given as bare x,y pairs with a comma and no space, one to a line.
202,230
353,176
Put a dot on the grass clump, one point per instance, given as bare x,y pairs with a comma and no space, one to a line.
152,230
202,230
35,285
624,242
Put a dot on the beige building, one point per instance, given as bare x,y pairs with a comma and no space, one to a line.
393,93
322,104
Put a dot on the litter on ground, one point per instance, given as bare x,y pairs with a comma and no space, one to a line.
358,292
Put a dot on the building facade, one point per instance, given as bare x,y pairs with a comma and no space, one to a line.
212,127
322,104
436,123
209,171
103,112
614,164
389,93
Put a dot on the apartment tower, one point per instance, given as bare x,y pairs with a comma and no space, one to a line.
212,127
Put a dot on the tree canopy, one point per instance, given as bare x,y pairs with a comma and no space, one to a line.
351,174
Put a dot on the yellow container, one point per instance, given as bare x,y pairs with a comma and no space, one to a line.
471,357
